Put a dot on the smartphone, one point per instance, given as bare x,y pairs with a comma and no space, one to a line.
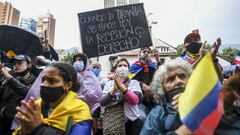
45,34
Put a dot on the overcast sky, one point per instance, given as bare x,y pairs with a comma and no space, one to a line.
176,18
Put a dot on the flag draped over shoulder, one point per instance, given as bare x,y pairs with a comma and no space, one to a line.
138,66
201,106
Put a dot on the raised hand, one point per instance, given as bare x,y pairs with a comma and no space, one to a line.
215,47
202,49
31,117
117,80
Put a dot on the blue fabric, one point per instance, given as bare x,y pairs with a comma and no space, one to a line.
134,69
96,71
162,120
82,128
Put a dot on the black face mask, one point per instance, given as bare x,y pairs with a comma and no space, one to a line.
172,93
193,47
23,73
144,59
51,94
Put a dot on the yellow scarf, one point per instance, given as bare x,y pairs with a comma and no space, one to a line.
70,106
195,56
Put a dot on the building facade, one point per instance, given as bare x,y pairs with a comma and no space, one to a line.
8,14
113,3
46,27
29,24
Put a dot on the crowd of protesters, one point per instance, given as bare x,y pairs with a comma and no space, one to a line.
139,98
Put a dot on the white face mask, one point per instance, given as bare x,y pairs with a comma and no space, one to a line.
78,65
123,71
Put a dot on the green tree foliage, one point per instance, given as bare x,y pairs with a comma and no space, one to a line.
179,49
69,57
229,53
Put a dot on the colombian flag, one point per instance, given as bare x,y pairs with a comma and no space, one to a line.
201,105
137,67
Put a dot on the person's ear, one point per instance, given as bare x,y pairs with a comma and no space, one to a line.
29,65
69,86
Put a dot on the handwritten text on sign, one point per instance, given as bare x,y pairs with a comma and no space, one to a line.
114,30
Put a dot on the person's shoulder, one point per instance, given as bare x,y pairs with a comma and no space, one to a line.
134,81
157,108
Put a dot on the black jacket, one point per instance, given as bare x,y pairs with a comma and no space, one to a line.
12,91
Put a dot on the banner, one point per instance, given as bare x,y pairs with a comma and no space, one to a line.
113,30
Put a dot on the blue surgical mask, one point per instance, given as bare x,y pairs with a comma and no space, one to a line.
78,65
96,71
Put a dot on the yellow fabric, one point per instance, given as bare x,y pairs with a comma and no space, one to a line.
195,56
130,75
198,86
70,106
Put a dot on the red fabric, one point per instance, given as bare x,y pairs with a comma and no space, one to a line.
131,98
236,62
210,123
145,66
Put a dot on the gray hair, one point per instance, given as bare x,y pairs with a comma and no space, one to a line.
157,88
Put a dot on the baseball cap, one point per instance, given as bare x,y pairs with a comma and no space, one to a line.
21,57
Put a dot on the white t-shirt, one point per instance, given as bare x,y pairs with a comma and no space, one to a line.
131,111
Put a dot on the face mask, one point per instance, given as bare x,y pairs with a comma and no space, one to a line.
51,94
193,47
96,71
78,65
172,93
144,59
123,71
23,73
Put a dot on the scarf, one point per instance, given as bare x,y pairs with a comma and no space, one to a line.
70,106
138,66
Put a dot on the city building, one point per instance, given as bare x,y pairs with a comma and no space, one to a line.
46,27
8,14
29,24
113,3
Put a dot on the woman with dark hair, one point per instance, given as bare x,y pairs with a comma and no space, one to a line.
126,92
58,111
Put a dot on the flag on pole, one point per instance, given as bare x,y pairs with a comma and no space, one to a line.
201,105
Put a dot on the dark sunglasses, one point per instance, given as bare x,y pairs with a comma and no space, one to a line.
146,51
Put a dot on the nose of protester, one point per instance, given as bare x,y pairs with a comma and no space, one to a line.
179,82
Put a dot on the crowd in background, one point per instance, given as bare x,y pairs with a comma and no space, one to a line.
135,98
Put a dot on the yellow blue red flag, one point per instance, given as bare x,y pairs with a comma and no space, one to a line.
201,105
